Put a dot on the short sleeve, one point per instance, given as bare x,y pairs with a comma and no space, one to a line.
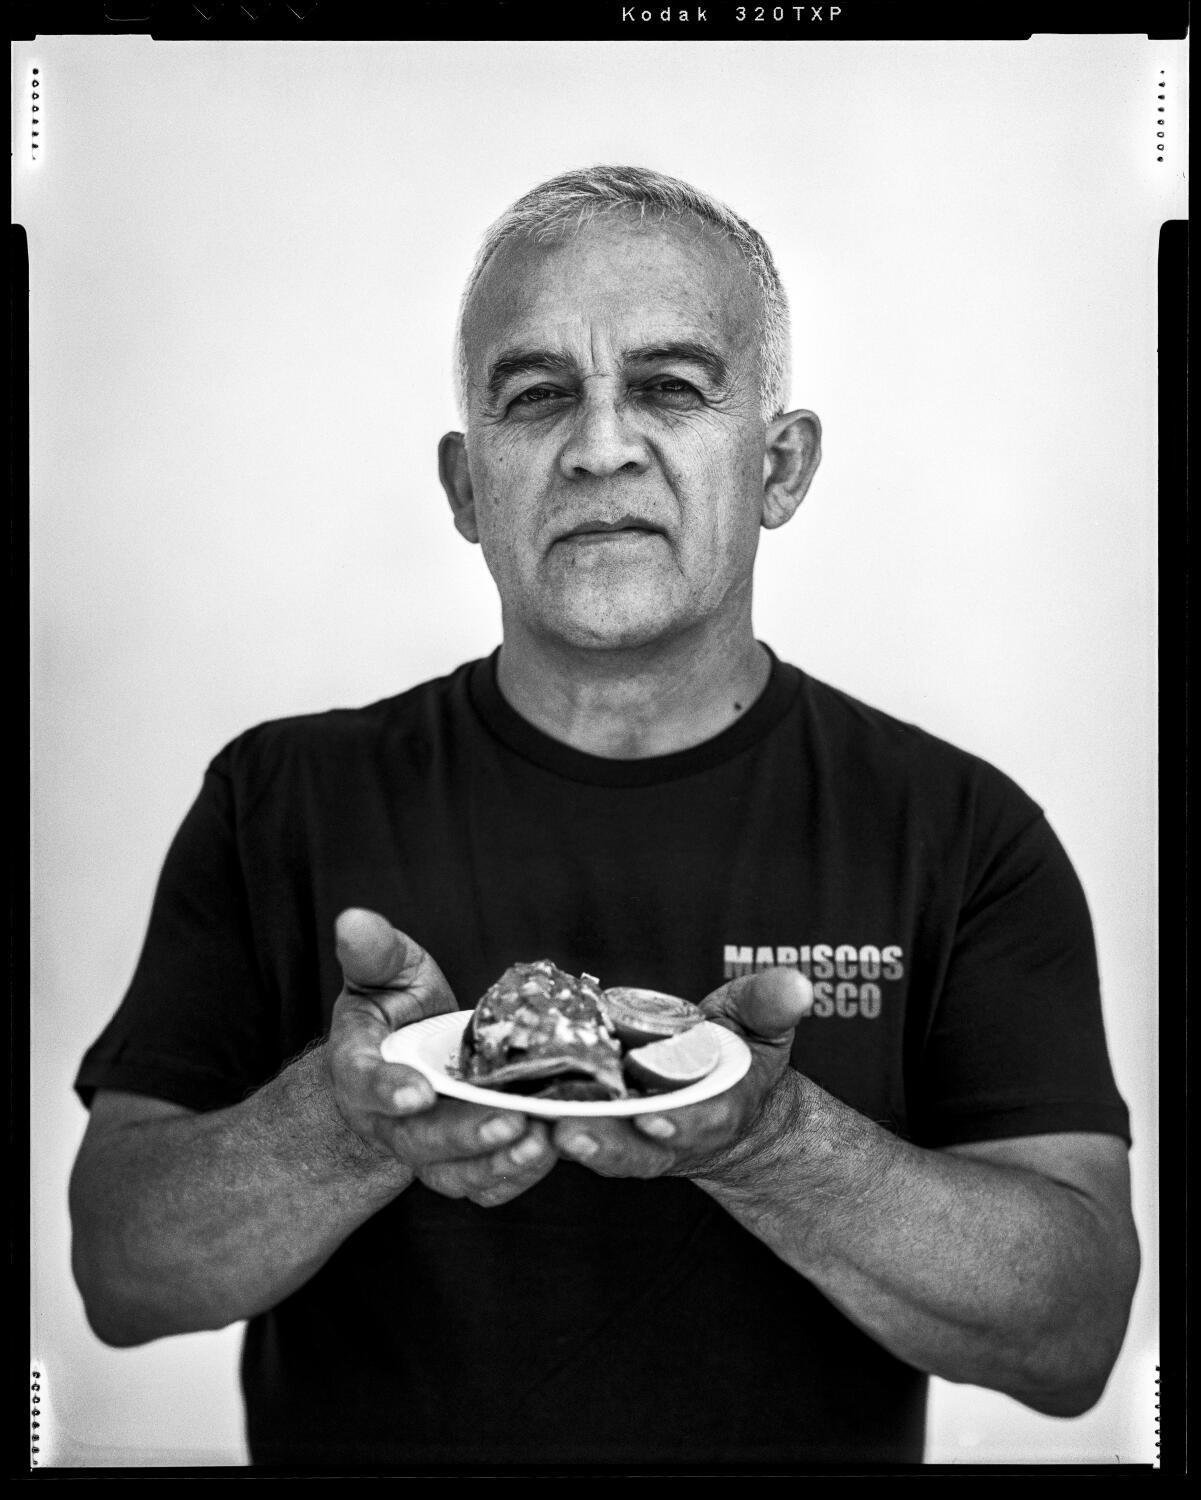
196,1026
1015,1044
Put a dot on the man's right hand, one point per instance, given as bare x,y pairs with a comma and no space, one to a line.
459,1150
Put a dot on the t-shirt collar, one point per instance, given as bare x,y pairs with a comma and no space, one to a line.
519,735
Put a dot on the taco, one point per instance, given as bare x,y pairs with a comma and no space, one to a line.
541,1032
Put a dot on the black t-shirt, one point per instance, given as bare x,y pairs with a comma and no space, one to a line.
597,1321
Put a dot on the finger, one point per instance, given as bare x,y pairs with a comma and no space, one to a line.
389,970
764,1007
704,1126
611,1148
507,1187
357,1029
370,1084
371,951
453,1132
499,1177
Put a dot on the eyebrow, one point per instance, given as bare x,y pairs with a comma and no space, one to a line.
523,361
513,362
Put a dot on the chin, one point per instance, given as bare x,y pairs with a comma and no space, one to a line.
609,630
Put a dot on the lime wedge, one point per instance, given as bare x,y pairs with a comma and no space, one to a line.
674,1063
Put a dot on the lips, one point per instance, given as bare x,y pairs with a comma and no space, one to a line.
599,528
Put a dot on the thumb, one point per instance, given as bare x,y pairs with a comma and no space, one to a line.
394,975
372,953
765,1007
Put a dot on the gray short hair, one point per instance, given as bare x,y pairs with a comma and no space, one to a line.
564,204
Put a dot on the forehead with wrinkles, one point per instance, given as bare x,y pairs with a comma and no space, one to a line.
619,281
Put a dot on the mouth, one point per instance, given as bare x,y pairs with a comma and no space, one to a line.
625,529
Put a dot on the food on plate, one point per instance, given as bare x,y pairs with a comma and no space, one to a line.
541,1032
639,1016
673,1063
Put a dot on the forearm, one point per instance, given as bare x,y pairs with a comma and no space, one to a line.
199,1220
967,1270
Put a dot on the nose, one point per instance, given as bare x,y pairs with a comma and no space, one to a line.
602,441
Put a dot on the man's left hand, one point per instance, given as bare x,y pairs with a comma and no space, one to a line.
714,1136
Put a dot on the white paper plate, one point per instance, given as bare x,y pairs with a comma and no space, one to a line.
432,1046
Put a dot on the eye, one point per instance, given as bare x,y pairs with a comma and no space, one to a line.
670,390
536,396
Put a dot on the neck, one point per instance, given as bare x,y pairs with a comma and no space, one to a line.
631,704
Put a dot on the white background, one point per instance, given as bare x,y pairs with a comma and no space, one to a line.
245,264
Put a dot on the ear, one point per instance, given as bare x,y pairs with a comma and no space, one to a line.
456,481
790,460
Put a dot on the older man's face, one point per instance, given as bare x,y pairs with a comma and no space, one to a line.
615,441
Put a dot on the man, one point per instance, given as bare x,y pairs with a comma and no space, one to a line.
924,1170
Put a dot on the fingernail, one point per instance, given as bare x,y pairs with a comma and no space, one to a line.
407,1098
526,1151
582,1145
657,1126
498,1130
